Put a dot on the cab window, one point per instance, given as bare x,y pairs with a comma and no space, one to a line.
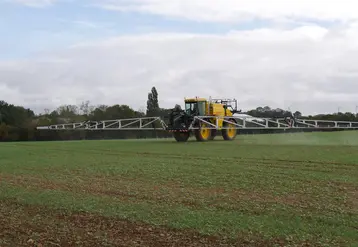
191,107
201,107
195,107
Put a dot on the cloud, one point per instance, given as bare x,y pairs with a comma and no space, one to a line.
311,69
234,10
33,3
86,24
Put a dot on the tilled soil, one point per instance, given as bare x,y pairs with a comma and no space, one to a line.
25,225
217,198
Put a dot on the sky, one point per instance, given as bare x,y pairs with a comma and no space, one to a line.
296,55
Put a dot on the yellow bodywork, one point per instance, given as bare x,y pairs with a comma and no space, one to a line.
219,110
212,109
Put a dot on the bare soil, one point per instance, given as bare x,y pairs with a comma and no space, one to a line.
25,225
129,188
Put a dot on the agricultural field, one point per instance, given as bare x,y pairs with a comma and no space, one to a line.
259,190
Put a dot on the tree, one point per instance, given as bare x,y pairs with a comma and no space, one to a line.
103,112
152,103
297,114
85,108
67,111
15,115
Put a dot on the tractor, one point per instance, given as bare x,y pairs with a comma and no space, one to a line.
203,118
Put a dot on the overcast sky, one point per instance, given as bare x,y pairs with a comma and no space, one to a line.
300,55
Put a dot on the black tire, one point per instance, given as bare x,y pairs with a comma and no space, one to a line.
213,134
181,136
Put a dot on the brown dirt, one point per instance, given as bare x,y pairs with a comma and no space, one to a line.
24,225
129,188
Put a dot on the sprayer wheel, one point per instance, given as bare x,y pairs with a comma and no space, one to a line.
203,133
181,136
231,131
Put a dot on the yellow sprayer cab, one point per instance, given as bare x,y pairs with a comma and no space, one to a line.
197,105
207,107
204,118
204,107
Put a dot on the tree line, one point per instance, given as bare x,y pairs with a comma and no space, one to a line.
18,123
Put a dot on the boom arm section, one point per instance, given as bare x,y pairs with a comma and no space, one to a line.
242,122
148,123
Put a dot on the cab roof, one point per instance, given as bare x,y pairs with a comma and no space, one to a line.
196,99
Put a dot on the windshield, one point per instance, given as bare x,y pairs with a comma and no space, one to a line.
197,108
